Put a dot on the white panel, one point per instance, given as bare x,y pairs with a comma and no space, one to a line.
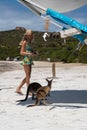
69,32
59,5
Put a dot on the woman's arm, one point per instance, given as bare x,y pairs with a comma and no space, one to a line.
23,49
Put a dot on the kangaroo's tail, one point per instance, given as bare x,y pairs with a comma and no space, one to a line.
32,105
27,93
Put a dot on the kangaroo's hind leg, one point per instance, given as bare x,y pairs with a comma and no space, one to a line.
44,102
33,96
36,103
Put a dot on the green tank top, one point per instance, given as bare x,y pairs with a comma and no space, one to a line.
29,48
27,59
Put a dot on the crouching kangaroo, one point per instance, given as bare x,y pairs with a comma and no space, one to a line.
32,88
42,93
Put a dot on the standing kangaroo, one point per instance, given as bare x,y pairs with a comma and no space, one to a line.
32,88
42,93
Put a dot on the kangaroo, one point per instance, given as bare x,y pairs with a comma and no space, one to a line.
42,93
33,87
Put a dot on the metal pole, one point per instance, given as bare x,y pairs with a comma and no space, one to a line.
53,70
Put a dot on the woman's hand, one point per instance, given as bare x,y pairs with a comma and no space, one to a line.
35,53
30,54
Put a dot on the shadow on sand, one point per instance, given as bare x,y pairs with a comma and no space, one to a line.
69,96
64,97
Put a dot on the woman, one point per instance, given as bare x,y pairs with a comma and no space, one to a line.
27,52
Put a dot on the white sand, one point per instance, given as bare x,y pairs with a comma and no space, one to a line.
68,108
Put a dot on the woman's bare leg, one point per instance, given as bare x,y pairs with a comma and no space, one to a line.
18,90
27,69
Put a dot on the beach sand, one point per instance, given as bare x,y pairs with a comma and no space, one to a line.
67,109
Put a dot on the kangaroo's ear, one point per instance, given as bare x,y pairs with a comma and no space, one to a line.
51,80
47,80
